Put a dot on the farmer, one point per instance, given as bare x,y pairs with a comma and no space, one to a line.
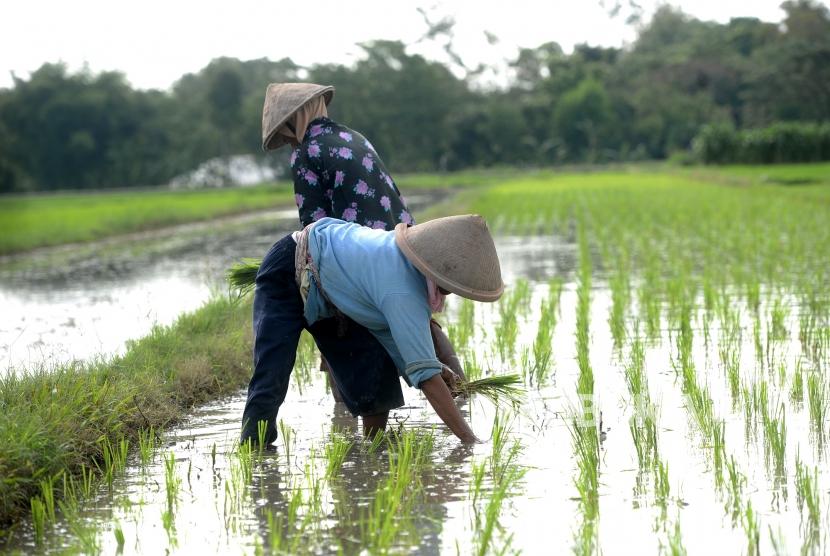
366,296
337,173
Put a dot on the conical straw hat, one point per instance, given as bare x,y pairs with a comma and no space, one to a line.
281,101
457,252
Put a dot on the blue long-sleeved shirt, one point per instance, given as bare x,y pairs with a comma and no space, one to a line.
366,276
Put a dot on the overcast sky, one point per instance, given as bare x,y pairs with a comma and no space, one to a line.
154,42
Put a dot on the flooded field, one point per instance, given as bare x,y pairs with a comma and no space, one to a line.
75,302
675,400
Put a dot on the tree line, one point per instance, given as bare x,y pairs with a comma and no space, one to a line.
647,100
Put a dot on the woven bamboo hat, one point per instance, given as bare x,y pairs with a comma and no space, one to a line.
457,252
282,100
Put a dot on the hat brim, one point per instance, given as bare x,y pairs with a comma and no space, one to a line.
440,279
274,140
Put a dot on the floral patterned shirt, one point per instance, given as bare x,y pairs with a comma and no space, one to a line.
338,174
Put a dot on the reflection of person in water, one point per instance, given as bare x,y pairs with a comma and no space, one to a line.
337,173
380,288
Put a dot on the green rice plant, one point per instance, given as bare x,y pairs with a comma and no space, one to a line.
461,330
499,389
807,495
172,482
775,445
718,451
817,398
118,533
114,457
542,346
390,510
644,434
336,450
797,386
242,275
146,445
662,488
288,439
735,484
675,541
778,321
38,518
274,527
484,532
306,362
620,298
730,357
752,529
472,370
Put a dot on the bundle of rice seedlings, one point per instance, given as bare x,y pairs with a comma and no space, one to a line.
242,275
497,389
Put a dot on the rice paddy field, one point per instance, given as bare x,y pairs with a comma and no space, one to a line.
672,334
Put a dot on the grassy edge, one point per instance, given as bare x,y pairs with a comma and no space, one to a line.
57,421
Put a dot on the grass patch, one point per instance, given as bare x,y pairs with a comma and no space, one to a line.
30,221
66,421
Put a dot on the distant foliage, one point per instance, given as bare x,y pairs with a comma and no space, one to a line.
778,143
679,79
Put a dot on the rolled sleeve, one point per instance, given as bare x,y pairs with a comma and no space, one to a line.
408,317
420,371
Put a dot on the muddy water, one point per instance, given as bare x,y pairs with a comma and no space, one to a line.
540,516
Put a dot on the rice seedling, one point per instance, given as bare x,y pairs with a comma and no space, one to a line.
752,529
499,389
775,445
778,321
807,496
620,298
461,330
242,275
172,482
336,450
114,456
797,386
484,531
675,541
730,357
389,511
817,398
274,531
288,439
735,484
118,533
146,445
38,518
718,451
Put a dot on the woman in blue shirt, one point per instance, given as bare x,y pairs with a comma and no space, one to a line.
388,283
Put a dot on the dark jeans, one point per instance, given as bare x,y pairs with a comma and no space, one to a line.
362,369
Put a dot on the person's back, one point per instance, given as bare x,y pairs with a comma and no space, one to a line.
337,173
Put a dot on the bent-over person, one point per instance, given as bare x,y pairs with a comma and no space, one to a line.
366,296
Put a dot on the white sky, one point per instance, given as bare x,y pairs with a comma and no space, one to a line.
156,41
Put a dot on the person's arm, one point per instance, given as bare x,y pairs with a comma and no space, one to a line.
440,399
409,317
444,350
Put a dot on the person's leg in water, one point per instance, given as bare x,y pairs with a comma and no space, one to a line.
361,370
277,323
326,368
373,424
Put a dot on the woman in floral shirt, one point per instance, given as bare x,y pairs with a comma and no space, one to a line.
337,173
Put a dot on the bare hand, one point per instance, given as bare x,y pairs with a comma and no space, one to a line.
451,380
